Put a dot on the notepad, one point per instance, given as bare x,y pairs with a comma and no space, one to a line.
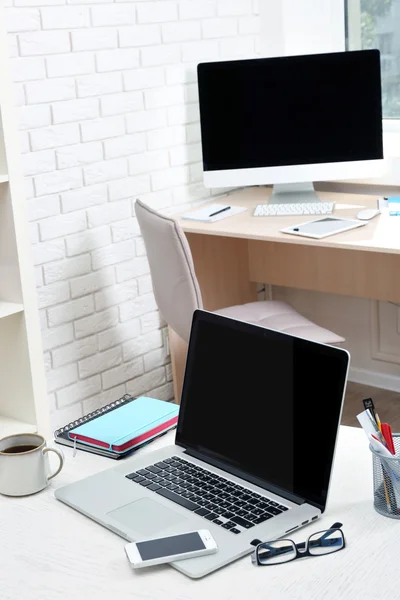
128,426
203,213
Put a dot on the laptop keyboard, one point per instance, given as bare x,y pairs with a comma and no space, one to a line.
206,494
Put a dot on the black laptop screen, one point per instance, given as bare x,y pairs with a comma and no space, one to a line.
265,404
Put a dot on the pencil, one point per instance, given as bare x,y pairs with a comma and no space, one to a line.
392,506
386,493
378,422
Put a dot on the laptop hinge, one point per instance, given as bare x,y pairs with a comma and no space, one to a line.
215,462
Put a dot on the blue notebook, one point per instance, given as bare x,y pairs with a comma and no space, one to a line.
128,426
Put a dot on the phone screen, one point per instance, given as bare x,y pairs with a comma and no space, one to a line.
177,544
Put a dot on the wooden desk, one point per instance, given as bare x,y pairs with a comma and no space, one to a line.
232,255
50,552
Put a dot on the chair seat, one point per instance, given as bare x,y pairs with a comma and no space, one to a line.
281,317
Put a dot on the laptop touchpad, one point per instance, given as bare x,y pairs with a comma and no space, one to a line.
146,516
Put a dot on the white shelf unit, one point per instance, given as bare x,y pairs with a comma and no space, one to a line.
23,394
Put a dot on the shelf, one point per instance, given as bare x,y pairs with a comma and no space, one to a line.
10,308
10,426
23,397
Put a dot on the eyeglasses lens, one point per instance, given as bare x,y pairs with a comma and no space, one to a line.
279,551
325,543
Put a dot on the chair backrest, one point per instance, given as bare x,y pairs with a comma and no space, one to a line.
175,285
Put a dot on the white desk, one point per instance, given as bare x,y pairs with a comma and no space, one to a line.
50,552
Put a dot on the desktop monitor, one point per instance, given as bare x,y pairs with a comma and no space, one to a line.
291,120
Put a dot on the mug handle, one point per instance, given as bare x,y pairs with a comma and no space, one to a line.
61,459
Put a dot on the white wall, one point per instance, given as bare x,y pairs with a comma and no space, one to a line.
108,111
301,27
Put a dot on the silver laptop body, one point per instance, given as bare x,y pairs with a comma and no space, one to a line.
258,449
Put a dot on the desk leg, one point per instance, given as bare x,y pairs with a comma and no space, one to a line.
178,348
222,269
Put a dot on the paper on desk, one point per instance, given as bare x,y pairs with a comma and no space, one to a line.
383,203
203,214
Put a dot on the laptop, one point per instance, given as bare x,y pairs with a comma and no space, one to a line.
253,452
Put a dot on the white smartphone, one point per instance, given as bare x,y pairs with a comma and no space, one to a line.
175,547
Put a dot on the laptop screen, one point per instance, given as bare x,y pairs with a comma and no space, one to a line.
263,404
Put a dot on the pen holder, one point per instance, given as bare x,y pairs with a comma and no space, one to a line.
386,474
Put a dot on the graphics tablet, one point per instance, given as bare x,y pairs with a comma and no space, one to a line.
323,227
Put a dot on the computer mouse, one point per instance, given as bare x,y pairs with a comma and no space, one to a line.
367,214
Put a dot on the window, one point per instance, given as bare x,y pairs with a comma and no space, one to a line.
376,24
385,43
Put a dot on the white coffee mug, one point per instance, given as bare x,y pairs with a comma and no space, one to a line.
24,465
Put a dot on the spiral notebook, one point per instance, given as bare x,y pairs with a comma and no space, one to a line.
120,428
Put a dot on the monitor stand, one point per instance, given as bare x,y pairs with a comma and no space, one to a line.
293,193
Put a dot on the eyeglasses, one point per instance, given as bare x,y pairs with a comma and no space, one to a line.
281,551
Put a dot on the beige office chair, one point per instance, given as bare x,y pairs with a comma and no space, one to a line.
178,294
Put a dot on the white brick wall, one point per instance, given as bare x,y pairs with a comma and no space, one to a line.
108,111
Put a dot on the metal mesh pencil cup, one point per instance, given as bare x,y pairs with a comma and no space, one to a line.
386,475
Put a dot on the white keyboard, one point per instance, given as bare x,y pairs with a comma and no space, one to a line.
282,210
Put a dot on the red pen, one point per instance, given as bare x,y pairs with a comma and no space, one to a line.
387,434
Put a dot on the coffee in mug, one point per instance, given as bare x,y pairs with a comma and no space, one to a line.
24,466
18,449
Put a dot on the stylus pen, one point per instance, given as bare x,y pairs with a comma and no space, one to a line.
219,211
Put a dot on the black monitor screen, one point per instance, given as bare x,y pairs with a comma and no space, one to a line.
263,404
272,112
